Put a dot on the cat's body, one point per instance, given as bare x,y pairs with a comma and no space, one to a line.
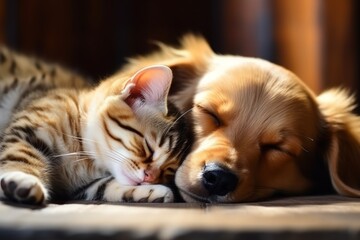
61,139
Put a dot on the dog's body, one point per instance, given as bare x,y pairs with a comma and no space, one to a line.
258,129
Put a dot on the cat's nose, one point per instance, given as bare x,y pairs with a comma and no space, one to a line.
151,174
218,180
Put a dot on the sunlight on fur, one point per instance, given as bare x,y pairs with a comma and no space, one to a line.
259,131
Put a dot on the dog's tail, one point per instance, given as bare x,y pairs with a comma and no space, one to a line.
343,154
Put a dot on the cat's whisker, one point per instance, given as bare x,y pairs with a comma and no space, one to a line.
116,157
78,137
82,138
177,119
80,159
125,163
80,153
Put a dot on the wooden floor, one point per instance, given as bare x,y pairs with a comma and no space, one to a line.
315,217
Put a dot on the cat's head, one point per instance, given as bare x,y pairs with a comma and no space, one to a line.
133,130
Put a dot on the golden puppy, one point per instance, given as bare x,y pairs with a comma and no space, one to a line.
258,129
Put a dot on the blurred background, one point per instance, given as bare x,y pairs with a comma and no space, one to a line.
316,39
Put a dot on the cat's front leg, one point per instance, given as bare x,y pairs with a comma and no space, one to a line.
108,189
24,172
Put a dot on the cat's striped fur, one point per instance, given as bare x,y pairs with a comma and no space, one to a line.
64,140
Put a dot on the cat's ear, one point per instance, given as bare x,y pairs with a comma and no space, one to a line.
149,87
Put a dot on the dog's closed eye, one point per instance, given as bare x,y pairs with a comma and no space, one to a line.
210,115
270,147
284,143
265,148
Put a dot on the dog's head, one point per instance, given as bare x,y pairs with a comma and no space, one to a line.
258,129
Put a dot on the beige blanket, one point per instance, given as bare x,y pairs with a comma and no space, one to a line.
315,217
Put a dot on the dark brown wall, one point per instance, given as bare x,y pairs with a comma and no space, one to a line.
315,39
96,35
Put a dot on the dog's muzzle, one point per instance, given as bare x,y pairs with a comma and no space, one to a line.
218,180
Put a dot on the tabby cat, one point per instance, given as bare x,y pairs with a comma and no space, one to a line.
64,140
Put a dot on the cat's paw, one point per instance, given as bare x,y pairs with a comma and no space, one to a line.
142,193
150,193
22,187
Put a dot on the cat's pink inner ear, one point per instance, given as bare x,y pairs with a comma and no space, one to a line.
152,84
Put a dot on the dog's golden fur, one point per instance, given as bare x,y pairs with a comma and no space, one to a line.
260,124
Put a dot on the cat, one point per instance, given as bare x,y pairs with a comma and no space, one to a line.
62,139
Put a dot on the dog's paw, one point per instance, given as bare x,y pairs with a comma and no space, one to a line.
22,187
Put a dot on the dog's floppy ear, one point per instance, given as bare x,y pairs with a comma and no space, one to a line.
343,153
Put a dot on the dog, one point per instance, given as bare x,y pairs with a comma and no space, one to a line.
259,130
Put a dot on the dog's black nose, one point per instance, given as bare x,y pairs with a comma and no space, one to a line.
218,180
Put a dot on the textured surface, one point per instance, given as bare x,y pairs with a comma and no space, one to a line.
325,217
